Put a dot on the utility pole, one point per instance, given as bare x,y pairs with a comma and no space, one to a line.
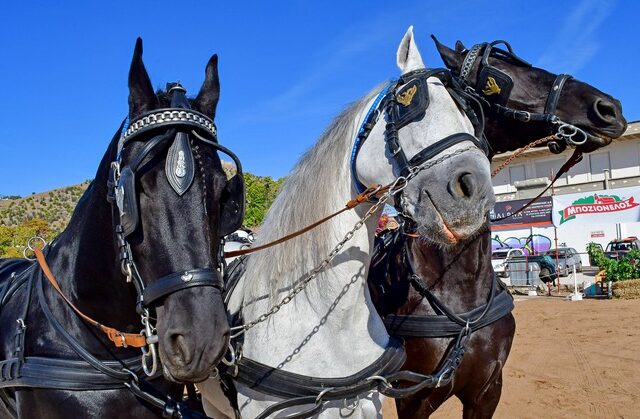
555,238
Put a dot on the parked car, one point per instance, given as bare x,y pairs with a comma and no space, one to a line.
568,257
500,258
616,249
547,265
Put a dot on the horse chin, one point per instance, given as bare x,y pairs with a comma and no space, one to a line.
179,378
595,141
442,234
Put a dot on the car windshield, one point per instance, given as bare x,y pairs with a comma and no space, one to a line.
500,254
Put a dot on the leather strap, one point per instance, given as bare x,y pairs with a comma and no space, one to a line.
575,158
554,94
302,390
442,145
119,339
362,197
440,326
179,281
63,374
280,383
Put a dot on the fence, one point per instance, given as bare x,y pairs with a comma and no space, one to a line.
536,270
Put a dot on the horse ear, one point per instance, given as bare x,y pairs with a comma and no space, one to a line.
459,46
141,96
451,58
408,57
207,99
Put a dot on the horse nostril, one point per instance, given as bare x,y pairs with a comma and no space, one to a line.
605,110
180,349
462,186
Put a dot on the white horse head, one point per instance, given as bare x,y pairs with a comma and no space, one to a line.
332,329
448,200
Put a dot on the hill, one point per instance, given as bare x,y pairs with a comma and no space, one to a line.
46,214
54,207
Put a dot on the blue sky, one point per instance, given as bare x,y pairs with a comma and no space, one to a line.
286,67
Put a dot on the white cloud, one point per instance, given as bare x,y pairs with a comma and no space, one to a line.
577,43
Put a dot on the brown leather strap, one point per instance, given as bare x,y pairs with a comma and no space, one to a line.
575,158
119,339
363,197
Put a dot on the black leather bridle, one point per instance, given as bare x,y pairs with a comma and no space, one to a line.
175,123
493,88
406,100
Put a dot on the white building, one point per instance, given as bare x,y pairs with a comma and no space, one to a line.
612,167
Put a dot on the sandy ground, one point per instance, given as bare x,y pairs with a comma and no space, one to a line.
570,360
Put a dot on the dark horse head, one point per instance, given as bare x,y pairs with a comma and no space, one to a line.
173,219
505,80
171,197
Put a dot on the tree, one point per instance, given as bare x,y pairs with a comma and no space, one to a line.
260,194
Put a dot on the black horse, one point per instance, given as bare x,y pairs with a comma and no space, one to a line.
427,293
141,246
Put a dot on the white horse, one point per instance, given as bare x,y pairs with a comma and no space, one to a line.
332,329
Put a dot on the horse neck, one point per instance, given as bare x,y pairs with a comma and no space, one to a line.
459,277
336,306
84,257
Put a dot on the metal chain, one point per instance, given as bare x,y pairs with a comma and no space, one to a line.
398,185
519,152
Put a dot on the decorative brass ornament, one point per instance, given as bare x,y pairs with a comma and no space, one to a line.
406,97
492,87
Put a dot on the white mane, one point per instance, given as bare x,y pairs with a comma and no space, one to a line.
314,189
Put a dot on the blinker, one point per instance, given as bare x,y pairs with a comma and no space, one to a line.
411,102
126,201
494,85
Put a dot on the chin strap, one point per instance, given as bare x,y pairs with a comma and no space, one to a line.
119,339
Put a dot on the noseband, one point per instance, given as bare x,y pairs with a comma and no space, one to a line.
405,101
175,123
493,88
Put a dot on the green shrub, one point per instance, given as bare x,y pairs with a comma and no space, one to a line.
628,267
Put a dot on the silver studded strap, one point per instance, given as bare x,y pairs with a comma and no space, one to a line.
469,60
168,116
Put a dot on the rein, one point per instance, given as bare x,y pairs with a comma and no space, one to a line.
119,339
365,196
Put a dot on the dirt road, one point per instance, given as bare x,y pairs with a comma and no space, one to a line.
570,360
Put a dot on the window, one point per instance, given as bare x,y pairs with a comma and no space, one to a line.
546,167
517,173
599,163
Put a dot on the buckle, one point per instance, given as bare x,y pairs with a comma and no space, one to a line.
123,340
525,116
